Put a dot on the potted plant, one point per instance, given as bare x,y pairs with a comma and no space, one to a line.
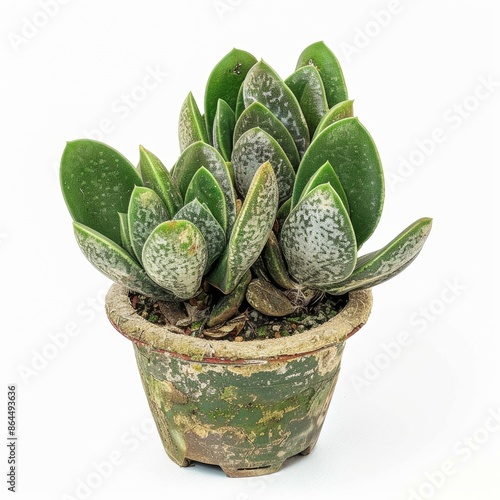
237,272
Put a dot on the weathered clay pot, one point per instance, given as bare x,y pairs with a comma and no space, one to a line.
245,406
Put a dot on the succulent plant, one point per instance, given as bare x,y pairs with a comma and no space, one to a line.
276,189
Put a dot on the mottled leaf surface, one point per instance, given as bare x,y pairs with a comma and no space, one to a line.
223,129
203,219
326,174
96,183
254,148
250,232
257,115
349,148
200,155
381,265
324,60
225,81
175,257
116,264
307,86
344,109
158,178
145,211
205,188
192,126
264,85
318,240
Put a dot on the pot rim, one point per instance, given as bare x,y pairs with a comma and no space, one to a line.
159,338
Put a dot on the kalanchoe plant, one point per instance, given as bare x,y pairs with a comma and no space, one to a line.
276,189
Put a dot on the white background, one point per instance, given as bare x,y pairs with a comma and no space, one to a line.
394,420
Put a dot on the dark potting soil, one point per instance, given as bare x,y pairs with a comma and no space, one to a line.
248,325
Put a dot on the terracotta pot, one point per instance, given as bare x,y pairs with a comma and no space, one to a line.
245,406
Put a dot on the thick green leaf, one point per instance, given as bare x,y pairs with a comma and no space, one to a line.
125,234
96,183
204,188
203,219
250,232
225,81
157,178
175,257
257,115
229,304
324,60
200,155
240,103
116,264
145,211
192,126
349,148
318,240
275,264
308,88
264,85
254,148
343,109
323,175
223,129
283,213
377,267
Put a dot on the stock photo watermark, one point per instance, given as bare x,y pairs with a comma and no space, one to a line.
31,25
59,340
12,438
102,470
122,106
462,451
419,321
222,7
452,119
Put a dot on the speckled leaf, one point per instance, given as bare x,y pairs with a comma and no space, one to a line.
97,182
324,60
323,175
340,111
257,115
125,234
175,256
158,178
308,88
318,240
223,129
254,148
192,126
225,81
116,264
349,148
200,155
229,304
204,188
203,219
275,264
250,232
267,299
381,265
145,211
264,85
